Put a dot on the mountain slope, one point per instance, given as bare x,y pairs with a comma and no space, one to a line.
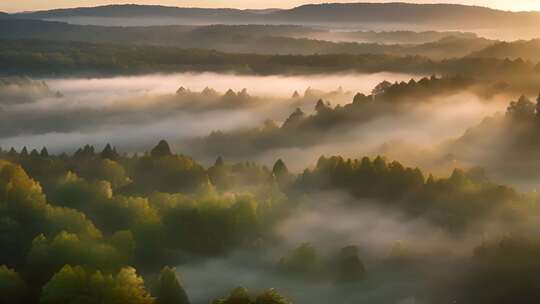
134,10
440,15
437,14
261,39
526,50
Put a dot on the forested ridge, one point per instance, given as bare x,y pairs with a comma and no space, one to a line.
98,215
41,57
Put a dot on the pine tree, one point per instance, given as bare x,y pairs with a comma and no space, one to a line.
24,151
44,152
168,290
280,169
219,162
162,149
109,153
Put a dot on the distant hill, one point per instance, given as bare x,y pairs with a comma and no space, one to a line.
526,50
260,39
133,10
449,16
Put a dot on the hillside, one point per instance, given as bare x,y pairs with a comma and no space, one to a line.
133,10
260,39
527,50
434,15
406,13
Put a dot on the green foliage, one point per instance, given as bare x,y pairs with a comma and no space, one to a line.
228,208
104,170
280,169
161,150
303,260
48,256
239,176
110,212
42,57
241,296
13,289
78,285
502,271
458,199
109,153
168,290
226,221
24,214
301,130
167,173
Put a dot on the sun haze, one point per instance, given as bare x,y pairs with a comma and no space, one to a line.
31,5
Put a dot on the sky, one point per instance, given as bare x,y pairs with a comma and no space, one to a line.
29,5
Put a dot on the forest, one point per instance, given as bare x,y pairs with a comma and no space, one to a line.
345,153
104,219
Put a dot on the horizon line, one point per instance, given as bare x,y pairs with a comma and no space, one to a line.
262,9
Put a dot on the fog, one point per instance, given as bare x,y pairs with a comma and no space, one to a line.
412,135
329,222
133,112
274,86
506,34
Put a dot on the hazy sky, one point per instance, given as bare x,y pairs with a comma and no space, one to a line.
24,5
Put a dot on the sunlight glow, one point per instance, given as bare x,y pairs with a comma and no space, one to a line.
31,5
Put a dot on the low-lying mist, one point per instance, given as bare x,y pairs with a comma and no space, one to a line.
397,134
133,111
405,258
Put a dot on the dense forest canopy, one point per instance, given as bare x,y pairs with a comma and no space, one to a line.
49,58
72,205
260,39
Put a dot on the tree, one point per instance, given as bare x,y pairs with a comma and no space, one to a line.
13,289
360,98
521,110
538,106
296,117
219,162
168,290
78,285
280,169
350,267
44,152
302,260
109,153
48,256
271,296
24,152
321,107
161,150
381,88
241,295
238,295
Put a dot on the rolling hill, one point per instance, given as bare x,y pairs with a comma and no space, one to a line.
448,16
260,39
